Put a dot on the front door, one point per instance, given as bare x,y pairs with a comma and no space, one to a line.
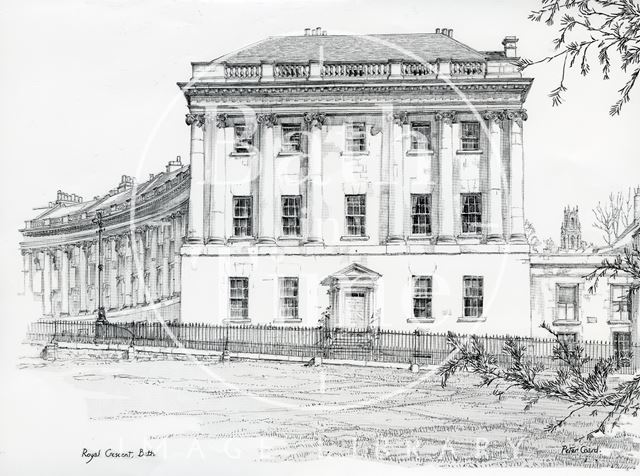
355,309
622,348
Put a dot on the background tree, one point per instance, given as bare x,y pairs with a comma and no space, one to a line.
590,31
614,215
532,236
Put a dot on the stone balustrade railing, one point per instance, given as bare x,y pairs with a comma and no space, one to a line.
316,71
355,70
167,191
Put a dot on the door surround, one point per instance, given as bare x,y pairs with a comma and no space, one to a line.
355,278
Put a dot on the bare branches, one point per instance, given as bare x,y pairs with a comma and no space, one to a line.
570,383
605,25
616,214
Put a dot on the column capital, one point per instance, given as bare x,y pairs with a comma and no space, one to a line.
400,118
197,119
494,116
314,119
446,117
268,120
517,115
222,121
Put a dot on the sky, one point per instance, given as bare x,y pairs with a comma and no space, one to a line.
89,93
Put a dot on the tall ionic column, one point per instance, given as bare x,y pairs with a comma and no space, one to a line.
177,242
140,267
27,286
82,277
517,176
113,274
153,265
46,289
266,190
495,123
315,121
165,261
445,122
64,282
195,232
217,182
128,272
396,175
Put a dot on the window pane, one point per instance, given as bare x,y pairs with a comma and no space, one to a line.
356,138
471,213
473,295
421,136
242,216
355,215
291,215
291,135
421,214
422,295
239,298
288,298
470,136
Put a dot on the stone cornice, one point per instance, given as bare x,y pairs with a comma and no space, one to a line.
275,92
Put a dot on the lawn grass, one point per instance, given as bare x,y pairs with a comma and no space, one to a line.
298,413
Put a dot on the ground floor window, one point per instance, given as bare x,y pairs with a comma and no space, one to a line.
239,298
568,338
289,298
620,302
422,293
622,348
473,301
567,302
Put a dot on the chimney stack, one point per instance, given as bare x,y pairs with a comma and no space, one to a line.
318,30
307,31
509,44
636,205
437,30
450,34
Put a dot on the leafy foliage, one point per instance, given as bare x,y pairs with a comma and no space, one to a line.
570,383
626,262
590,29
532,236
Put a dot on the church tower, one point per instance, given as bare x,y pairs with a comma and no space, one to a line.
570,232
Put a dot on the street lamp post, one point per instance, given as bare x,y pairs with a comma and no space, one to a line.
102,315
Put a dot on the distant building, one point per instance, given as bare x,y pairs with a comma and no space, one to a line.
144,226
571,232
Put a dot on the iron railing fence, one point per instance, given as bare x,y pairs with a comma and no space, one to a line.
374,345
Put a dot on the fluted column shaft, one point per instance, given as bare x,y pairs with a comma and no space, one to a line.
113,274
495,124
153,266
140,268
165,261
217,182
445,176
315,121
266,190
196,195
82,277
128,273
517,176
177,259
27,261
46,288
64,282
396,162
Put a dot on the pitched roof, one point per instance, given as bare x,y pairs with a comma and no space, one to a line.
354,48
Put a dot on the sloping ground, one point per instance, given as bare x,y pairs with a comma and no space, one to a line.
261,411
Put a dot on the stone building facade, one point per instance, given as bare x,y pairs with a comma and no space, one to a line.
143,229
378,178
